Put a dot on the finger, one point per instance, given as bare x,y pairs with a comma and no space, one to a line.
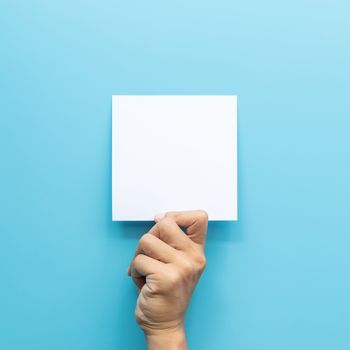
169,232
155,248
143,266
195,222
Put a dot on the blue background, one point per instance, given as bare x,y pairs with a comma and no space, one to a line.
276,279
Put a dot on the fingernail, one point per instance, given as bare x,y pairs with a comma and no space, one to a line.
128,271
159,217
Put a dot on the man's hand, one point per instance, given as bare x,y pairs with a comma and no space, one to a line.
166,268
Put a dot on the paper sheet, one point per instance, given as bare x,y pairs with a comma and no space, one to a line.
174,153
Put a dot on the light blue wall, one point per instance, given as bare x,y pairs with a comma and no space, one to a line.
277,279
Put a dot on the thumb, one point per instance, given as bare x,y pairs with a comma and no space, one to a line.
194,221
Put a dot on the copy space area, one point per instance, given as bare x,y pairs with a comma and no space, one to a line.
174,153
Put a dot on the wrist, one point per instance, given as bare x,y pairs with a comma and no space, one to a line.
167,339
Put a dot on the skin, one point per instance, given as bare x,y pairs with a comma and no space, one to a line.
166,268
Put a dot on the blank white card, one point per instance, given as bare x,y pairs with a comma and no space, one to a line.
174,153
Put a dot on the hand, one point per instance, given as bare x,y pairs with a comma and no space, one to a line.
166,268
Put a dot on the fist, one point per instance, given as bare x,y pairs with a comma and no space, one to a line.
167,265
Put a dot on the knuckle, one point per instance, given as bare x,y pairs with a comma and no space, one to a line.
137,260
187,267
133,264
200,260
145,239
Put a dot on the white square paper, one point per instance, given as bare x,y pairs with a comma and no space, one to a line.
174,153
